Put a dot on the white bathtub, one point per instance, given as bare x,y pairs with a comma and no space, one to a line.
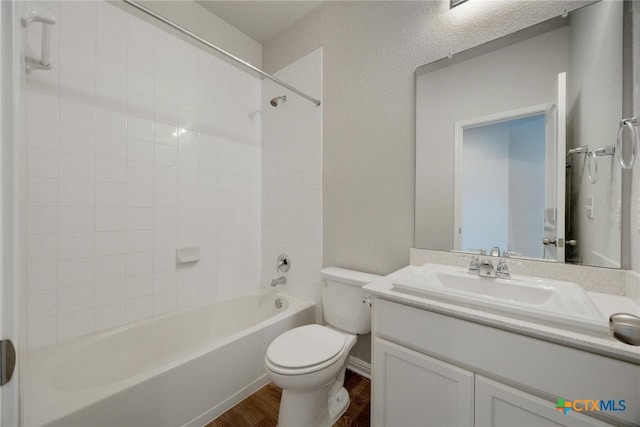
185,368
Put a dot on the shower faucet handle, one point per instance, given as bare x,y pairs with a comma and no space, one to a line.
283,263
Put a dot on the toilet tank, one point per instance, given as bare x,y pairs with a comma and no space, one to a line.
342,296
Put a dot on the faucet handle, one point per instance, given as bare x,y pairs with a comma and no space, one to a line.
474,265
502,270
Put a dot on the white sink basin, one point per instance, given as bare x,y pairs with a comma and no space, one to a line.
547,301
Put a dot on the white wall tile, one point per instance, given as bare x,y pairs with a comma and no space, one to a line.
77,61
42,107
110,291
42,219
41,134
139,286
111,73
119,176
42,304
139,241
74,324
139,308
75,298
77,140
140,196
42,192
140,150
42,276
110,194
75,272
110,47
110,218
111,122
139,263
76,166
111,315
75,219
164,302
111,145
110,243
76,193
75,245
42,332
110,267
111,170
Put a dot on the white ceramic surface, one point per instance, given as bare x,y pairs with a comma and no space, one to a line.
186,367
550,301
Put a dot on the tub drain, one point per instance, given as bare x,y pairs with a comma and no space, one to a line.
278,303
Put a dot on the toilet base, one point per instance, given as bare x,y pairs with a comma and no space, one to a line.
338,405
317,408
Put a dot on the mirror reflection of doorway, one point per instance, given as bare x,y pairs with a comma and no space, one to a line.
502,185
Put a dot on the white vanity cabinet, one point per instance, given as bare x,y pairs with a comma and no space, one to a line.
416,390
429,369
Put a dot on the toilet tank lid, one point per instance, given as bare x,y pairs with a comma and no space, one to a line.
350,277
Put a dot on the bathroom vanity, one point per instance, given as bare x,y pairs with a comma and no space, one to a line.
443,362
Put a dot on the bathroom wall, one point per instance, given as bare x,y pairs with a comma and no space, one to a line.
594,109
137,144
197,19
292,177
371,50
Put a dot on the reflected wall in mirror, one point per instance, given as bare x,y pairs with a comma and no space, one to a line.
499,136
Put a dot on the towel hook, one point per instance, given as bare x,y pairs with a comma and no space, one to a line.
631,124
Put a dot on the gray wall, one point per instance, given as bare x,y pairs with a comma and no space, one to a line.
371,50
199,20
594,110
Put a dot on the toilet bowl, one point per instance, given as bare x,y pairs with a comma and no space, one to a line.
308,363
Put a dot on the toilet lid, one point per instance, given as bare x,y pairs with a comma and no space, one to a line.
305,346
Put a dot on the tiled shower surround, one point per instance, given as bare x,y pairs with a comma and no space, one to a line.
137,143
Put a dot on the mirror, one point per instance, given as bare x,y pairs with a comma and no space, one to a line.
514,143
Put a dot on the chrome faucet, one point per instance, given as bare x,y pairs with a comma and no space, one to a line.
486,269
495,251
482,268
281,280
502,270
474,266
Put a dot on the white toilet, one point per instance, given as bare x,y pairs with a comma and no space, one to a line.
308,363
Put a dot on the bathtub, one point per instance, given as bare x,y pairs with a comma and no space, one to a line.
184,368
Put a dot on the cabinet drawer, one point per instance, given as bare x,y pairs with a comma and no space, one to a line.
542,367
498,405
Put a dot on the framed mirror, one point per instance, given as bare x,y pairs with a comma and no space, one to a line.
515,143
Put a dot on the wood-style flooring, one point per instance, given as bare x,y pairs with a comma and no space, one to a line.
261,408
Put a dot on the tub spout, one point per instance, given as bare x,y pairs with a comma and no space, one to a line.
278,281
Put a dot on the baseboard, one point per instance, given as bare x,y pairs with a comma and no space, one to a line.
359,366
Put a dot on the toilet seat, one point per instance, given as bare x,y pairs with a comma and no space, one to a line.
305,349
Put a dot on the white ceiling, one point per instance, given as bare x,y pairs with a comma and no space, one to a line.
261,20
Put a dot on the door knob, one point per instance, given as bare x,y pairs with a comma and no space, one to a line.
546,242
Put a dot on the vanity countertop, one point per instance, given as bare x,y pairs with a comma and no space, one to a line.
598,343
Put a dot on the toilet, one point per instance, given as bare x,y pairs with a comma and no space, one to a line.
308,363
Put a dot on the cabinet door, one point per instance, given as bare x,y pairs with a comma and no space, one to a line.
498,405
411,389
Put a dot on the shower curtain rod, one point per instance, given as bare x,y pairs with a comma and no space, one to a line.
220,50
